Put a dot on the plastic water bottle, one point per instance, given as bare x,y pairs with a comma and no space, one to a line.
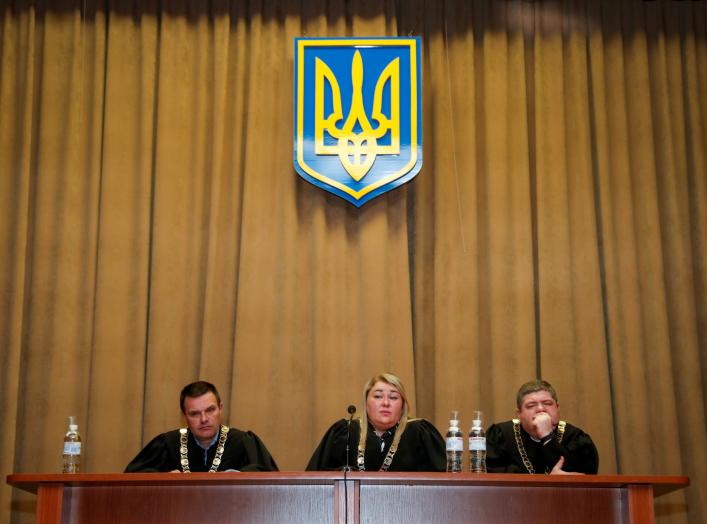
455,445
477,445
72,448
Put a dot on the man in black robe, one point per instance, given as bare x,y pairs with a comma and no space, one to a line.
205,444
538,441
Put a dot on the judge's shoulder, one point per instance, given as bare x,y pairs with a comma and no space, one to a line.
422,425
343,424
501,426
420,422
175,434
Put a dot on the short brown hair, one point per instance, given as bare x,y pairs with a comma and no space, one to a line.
196,389
532,387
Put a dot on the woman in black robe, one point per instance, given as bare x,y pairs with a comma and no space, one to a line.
384,439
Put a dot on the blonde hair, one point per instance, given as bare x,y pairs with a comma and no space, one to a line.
394,381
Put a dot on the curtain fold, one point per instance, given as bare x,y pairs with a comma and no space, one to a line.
153,230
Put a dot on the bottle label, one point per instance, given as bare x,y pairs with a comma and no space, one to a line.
455,444
477,443
72,448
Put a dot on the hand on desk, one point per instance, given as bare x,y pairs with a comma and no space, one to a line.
557,470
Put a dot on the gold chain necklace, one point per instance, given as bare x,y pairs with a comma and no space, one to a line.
361,461
521,448
217,457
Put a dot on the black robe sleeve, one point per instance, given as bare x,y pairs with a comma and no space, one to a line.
255,457
331,453
154,457
428,447
580,453
499,452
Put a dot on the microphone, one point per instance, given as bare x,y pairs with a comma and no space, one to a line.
351,409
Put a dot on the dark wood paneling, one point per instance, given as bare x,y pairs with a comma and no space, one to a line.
489,504
187,504
640,505
359,497
50,498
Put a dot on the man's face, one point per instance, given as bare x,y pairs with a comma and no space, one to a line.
384,406
534,404
203,416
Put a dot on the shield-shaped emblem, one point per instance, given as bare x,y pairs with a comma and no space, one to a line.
358,120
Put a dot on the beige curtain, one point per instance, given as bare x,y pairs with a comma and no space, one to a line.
153,230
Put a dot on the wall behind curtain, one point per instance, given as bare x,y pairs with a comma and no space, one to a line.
153,231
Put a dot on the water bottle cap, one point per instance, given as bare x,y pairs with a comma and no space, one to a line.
454,421
476,419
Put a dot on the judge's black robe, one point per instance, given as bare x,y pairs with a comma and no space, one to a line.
243,451
503,456
421,448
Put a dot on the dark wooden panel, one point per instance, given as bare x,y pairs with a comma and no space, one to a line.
640,505
50,499
325,497
190,504
489,504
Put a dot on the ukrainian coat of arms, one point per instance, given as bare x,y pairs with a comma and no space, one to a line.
358,120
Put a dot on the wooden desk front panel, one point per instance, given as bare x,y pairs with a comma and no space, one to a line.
165,498
490,504
195,504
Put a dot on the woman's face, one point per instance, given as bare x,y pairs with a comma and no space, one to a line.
384,405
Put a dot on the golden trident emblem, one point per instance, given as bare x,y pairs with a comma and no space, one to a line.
357,151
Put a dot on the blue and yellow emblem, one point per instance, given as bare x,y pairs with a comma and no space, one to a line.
358,119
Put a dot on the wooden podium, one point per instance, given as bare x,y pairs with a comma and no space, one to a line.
325,497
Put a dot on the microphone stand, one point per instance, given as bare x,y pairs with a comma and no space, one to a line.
351,409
